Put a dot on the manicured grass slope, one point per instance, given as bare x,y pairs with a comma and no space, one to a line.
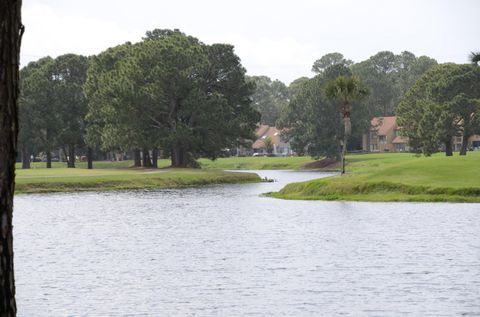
256,163
121,175
397,177
70,180
228,163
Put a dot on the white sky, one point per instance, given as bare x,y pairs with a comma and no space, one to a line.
280,39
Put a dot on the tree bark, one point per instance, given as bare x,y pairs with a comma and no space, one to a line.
49,158
181,158
48,150
137,160
25,157
11,30
65,156
178,157
346,134
89,158
155,158
448,147
71,156
146,158
464,148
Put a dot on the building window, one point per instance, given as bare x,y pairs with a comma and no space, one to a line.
382,138
373,148
400,147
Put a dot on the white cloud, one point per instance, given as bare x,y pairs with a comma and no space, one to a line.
48,32
277,38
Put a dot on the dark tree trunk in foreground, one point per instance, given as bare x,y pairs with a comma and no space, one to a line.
25,157
49,159
89,158
137,160
71,156
464,148
155,158
448,147
11,30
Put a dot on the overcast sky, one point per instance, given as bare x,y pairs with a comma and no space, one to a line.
280,39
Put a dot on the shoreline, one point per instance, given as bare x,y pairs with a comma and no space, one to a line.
129,180
395,178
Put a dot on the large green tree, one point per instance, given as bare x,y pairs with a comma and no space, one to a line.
28,117
68,73
11,30
452,93
114,119
313,123
174,92
38,115
269,98
346,90
389,77
328,60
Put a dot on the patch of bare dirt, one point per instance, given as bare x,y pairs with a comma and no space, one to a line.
326,163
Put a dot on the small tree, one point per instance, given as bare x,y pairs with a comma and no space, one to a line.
475,58
268,143
346,90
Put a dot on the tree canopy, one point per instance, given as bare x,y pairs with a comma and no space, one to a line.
330,59
174,92
313,122
269,98
442,104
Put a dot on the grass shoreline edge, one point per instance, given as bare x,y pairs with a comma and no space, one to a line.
132,181
395,178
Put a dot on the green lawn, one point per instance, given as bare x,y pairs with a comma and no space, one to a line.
71,180
397,177
107,175
256,163
228,163
96,164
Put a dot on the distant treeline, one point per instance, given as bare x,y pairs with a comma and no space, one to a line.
313,123
174,94
170,92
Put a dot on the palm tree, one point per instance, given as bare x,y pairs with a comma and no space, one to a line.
475,58
268,143
346,90
10,36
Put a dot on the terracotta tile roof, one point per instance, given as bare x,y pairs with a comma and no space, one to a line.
400,139
264,131
261,130
384,124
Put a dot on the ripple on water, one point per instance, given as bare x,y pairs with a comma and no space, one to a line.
225,251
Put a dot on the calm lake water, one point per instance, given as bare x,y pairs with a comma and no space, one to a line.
226,251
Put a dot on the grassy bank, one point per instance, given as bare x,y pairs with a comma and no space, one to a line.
396,177
256,163
228,163
42,180
120,175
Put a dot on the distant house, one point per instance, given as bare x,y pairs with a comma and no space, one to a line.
280,146
473,143
384,136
